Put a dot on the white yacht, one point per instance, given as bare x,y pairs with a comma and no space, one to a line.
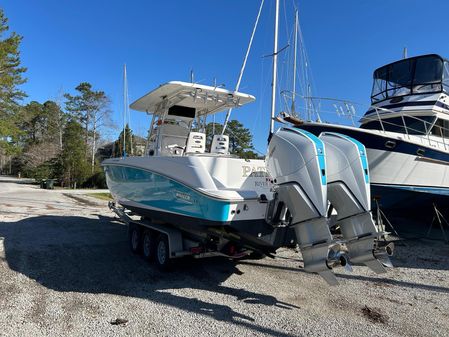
406,134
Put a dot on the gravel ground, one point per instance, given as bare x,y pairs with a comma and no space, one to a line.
65,270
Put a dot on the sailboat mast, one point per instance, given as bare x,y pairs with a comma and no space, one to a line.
294,62
275,61
124,110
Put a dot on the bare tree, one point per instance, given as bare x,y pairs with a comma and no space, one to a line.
101,117
91,109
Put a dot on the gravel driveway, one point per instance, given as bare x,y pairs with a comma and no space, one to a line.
65,270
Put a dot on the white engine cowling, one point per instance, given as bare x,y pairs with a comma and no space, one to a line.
349,192
307,173
297,164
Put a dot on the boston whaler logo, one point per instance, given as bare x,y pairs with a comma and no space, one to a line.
184,197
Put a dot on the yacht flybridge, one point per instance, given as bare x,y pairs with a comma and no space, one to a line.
406,133
192,199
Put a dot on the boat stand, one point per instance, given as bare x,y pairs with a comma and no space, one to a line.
441,220
380,218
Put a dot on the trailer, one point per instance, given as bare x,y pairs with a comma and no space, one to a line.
161,243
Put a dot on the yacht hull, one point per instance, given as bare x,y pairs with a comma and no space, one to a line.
406,178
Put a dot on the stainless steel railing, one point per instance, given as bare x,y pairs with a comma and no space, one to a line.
330,110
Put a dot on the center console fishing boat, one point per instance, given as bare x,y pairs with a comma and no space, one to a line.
194,200
193,197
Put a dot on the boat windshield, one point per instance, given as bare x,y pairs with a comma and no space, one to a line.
418,75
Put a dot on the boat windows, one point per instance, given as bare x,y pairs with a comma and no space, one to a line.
441,128
446,76
427,77
379,92
407,125
424,74
399,79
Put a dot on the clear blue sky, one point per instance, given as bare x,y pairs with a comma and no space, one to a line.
68,42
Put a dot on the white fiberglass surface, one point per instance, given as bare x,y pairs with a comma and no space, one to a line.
221,177
202,97
388,167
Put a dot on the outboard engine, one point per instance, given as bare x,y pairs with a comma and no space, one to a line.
297,164
349,193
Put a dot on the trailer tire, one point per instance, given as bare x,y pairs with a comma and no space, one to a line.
135,238
148,245
162,256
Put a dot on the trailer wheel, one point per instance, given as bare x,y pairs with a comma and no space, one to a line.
162,252
148,245
134,237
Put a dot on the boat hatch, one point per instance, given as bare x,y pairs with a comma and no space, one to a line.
204,99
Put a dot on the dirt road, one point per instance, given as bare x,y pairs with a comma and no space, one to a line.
65,270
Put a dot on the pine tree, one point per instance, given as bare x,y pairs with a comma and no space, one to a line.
73,156
129,141
55,121
10,79
91,109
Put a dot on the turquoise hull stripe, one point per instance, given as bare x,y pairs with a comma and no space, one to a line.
157,191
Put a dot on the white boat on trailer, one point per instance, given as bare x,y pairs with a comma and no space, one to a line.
202,202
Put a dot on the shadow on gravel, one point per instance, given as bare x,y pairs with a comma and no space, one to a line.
84,255
378,280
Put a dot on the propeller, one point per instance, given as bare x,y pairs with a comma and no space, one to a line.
383,254
338,256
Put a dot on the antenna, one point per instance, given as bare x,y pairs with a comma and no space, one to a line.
192,76
404,53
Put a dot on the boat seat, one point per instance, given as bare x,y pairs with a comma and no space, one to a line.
196,142
220,144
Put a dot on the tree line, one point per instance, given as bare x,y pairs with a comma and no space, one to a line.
61,138
55,139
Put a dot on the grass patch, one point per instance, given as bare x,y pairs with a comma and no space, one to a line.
102,196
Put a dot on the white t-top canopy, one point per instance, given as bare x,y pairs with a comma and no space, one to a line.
205,99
